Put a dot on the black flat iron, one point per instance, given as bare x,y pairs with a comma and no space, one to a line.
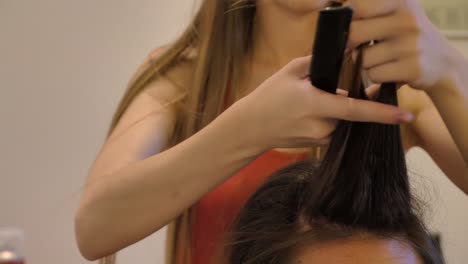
329,47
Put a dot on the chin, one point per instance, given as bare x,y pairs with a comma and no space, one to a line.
300,6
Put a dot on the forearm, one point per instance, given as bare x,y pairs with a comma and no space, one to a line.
450,96
125,207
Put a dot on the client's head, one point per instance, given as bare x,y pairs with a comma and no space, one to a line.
353,207
277,226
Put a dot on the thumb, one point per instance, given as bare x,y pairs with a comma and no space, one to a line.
372,91
299,66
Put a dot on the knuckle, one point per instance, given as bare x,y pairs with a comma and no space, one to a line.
354,38
396,47
373,75
361,10
407,46
290,64
417,70
349,109
295,61
417,46
409,22
367,63
418,73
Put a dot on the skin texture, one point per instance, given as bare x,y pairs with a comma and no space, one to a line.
296,7
362,251
134,167
411,51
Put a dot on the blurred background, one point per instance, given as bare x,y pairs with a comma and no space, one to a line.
63,67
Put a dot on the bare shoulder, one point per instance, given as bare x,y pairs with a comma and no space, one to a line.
157,99
173,83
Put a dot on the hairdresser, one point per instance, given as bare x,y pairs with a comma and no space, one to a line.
208,117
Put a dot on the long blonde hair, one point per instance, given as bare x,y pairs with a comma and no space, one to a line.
221,36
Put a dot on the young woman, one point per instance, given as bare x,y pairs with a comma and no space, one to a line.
209,117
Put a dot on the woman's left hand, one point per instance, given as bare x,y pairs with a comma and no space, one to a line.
409,49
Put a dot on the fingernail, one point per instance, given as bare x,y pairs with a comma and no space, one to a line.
405,117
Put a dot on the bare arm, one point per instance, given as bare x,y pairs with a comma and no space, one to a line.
136,186
450,96
132,193
441,121
429,132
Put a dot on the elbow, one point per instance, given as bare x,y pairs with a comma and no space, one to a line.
88,238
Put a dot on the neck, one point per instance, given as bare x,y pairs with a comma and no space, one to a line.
281,36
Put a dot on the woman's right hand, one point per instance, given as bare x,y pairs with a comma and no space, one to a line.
286,111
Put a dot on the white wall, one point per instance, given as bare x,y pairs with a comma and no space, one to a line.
64,65
461,45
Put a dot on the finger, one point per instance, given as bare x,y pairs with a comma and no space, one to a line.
405,70
378,54
381,28
364,31
299,66
361,110
342,92
374,8
388,51
372,91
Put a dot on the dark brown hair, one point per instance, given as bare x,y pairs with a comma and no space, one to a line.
360,189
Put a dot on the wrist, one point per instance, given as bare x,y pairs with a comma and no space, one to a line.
238,130
450,81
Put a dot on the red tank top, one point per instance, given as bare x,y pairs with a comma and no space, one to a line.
215,213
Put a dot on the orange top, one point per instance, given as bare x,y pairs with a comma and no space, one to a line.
216,211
